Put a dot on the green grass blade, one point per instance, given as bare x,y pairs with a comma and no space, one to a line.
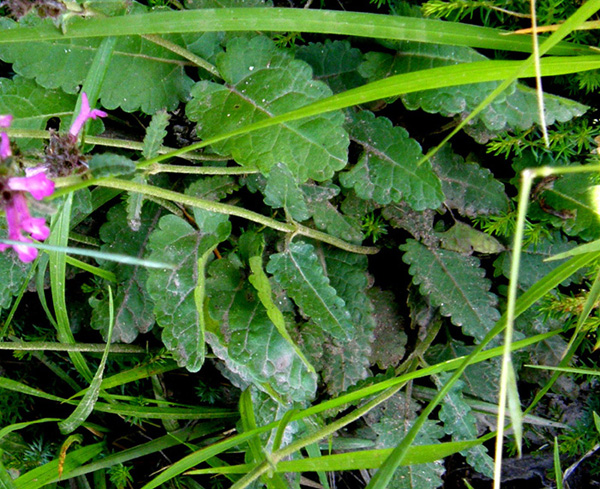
444,76
86,406
100,255
41,476
57,264
358,460
18,426
154,446
373,26
557,468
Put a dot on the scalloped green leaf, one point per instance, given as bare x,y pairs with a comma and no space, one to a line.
141,75
133,309
391,421
469,188
456,284
459,422
572,202
344,363
515,109
533,266
155,134
242,335
300,272
282,191
334,62
13,272
32,106
387,170
175,292
262,82
110,165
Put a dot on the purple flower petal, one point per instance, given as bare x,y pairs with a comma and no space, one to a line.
5,120
5,150
38,184
84,114
36,227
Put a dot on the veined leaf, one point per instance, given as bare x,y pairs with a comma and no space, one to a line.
344,363
86,405
469,188
515,109
572,201
32,106
14,273
282,191
334,62
533,266
133,305
155,134
387,171
174,291
298,270
141,74
458,421
391,421
260,281
456,284
110,165
244,337
263,82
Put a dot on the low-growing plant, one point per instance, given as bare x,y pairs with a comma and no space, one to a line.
304,247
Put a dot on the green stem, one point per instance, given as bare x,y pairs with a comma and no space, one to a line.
233,211
200,170
113,143
79,347
184,53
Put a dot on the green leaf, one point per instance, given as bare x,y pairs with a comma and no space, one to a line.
110,165
14,273
263,82
390,339
86,405
456,283
334,62
141,75
515,109
32,106
282,191
387,170
244,337
346,362
459,422
260,281
328,218
572,202
533,266
462,238
469,188
155,134
133,306
299,271
174,291
391,421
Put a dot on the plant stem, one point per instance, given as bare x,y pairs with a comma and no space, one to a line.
79,347
231,210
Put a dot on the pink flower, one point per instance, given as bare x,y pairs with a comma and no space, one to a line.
18,218
5,151
36,183
84,114
5,120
